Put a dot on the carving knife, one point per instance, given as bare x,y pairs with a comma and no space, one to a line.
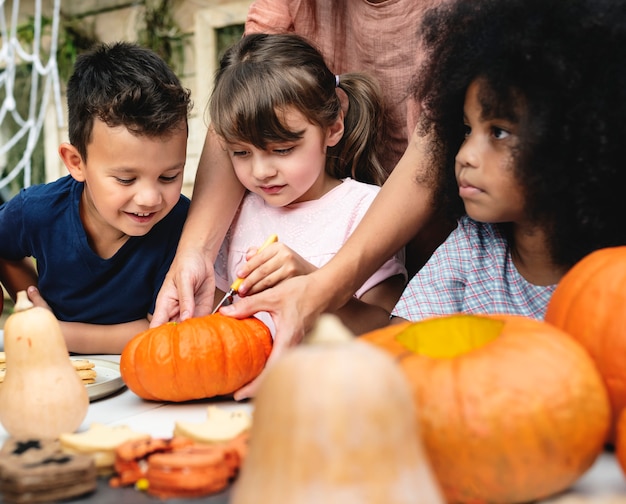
235,285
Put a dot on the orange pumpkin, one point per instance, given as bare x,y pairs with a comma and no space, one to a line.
195,359
510,408
620,442
589,304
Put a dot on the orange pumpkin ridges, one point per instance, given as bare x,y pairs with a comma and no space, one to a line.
518,413
588,304
199,358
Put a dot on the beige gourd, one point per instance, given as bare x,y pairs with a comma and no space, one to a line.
42,396
334,422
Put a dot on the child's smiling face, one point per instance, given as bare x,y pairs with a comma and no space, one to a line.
484,165
131,181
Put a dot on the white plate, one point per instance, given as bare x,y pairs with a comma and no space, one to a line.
108,377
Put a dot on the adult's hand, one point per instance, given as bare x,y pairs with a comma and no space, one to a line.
188,288
402,209
293,314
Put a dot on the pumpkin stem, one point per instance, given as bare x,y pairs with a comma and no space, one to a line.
329,329
22,303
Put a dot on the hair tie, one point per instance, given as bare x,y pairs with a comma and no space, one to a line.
336,81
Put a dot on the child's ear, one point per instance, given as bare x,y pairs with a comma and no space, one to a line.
73,161
335,132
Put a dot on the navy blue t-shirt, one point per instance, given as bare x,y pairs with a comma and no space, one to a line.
43,221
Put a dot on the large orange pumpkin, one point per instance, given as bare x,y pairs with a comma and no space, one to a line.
589,303
199,358
511,409
620,441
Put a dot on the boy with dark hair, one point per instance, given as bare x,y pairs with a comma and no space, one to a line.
104,236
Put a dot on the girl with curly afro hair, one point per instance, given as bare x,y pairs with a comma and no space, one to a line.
524,113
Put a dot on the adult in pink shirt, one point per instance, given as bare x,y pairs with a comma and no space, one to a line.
378,37
381,38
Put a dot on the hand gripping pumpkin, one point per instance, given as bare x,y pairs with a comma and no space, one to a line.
589,303
195,359
511,409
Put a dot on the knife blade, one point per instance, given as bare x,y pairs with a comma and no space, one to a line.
237,283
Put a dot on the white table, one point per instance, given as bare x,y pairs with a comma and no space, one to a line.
154,418
604,483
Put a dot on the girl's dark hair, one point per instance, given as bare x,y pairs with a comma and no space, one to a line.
262,75
565,63
124,84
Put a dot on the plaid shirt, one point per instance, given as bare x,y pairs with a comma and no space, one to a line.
472,272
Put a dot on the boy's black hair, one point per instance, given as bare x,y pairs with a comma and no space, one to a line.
566,60
124,84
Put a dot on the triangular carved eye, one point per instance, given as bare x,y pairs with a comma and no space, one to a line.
24,446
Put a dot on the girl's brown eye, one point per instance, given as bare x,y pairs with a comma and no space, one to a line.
499,133
283,151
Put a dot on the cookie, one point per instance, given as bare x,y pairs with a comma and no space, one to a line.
29,449
221,425
87,375
192,471
84,367
82,364
100,441
36,470
131,457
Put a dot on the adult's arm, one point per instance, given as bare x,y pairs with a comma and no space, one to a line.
403,207
189,286
373,310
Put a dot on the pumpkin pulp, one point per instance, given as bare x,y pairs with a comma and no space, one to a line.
438,338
